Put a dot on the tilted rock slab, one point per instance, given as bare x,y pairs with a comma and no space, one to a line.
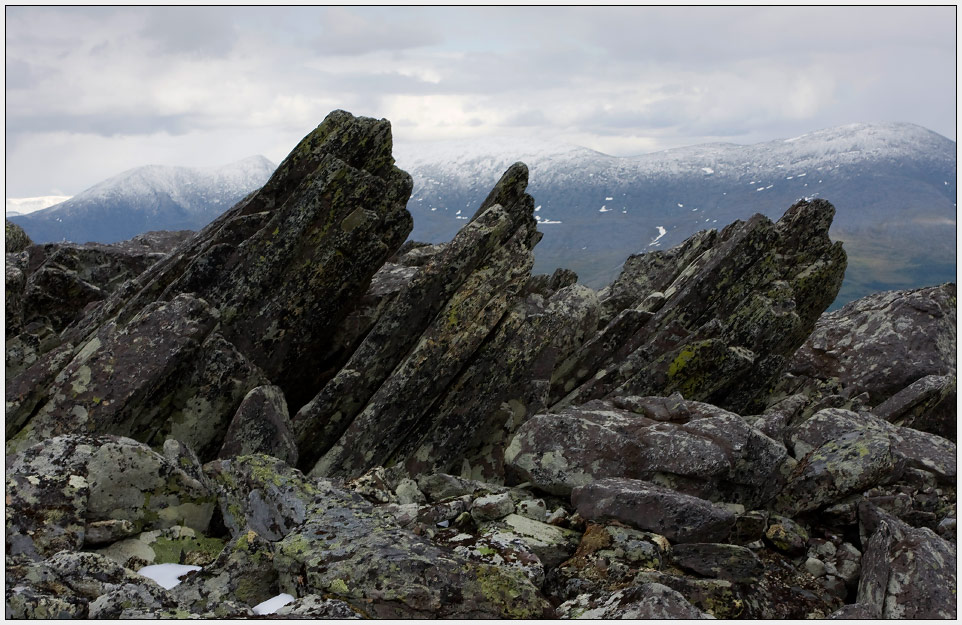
733,309
266,286
907,572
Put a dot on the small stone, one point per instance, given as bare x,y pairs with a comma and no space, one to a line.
492,507
533,509
815,567
105,532
787,536
558,517
407,492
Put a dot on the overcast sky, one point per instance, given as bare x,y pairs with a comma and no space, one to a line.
91,92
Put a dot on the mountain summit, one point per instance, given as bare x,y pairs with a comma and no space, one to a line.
152,197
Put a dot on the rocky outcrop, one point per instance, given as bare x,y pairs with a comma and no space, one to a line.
428,430
16,240
735,309
882,343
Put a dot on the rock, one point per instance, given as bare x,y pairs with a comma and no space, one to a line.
496,546
448,295
57,488
491,507
242,572
109,531
317,607
261,425
928,404
906,572
918,450
884,342
552,545
694,448
647,601
787,536
850,464
815,567
680,518
718,560
534,509
853,611
441,486
407,492
714,342
16,240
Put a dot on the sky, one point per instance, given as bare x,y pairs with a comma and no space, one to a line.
93,91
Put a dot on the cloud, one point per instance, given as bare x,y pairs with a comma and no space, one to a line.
352,31
192,30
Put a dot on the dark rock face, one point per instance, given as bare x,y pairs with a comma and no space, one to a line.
16,240
430,431
736,308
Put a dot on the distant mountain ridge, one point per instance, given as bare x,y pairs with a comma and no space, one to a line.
152,197
893,185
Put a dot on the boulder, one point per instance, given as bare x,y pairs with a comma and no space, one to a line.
692,447
15,239
907,572
646,601
57,488
882,343
718,560
928,404
261,425
646,506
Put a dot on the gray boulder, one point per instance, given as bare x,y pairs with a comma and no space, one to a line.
261,425
646,506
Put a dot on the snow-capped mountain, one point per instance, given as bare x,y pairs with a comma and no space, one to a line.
152,197
893,185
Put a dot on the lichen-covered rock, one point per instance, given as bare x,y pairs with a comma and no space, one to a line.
57,488
729,320
906,572
928,404
919,450
491,507
646,601
242,572
449,294
552,545
851,463
694,448
163,374
884,342
786,535
317,607
15,239
646,506
718,560
261,426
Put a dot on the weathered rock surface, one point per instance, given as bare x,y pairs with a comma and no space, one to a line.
261,425
471,441
736,307
692,447
15,239
884,342
906,572
680,518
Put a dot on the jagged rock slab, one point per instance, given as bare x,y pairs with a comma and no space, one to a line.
928,404
458,299
261,426
723,329
277,273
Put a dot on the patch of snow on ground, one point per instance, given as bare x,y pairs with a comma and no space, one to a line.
273,604
167,575
537,208
604,210
681,206
708,170
609,199
661,232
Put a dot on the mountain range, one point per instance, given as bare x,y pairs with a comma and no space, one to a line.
152,197
893,186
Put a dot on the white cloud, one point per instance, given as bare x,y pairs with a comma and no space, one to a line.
94,90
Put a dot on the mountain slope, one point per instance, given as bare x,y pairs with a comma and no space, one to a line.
893,185
153,197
